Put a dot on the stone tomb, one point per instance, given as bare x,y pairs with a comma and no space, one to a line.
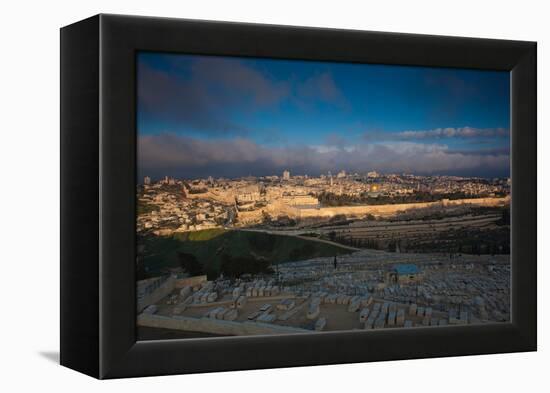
331,299
212,313
320,324
265,307
241,301
369,323
266,317
254,315
286,304
366,301
152,309
391,318
230,315
185,292
313,310
364,314
400,317
374,313
354,304
380,322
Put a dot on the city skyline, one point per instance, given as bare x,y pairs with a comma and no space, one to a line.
201,116
148,180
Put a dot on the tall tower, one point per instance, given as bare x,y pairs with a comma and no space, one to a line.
286,175
146,180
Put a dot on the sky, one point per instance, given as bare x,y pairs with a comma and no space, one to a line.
200,116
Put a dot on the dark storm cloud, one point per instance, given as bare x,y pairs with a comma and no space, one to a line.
320,87
191,158
169,99
453,85
205,100
456,90
236,81
214,89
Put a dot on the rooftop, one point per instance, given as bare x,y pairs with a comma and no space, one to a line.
406,269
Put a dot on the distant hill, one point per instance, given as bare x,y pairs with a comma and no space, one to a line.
211,246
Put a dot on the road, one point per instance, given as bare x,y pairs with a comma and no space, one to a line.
295,233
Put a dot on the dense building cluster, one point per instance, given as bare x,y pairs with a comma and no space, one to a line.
171,205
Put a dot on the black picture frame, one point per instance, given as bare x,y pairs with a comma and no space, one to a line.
98,177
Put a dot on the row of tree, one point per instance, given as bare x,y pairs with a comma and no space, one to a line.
331,199
229,266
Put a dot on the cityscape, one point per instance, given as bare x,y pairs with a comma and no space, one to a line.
253,230
369,251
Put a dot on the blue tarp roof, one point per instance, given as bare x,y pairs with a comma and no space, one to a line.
408,268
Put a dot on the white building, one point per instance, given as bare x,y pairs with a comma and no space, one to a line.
286,175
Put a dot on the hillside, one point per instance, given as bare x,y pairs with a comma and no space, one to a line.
211,247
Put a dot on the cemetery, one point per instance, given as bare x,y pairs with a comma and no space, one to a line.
367,290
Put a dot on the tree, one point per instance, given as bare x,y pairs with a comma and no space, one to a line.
235,267
190,264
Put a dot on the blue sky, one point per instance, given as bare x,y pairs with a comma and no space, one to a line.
227,116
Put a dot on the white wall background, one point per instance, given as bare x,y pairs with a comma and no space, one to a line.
29,193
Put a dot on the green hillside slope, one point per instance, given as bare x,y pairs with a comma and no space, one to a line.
212,247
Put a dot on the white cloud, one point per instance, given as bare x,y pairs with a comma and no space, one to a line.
439,133
240,156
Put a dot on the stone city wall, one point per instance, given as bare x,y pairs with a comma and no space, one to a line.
214,326
278,208
387,210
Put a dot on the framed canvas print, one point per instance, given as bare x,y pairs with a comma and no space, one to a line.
238,196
